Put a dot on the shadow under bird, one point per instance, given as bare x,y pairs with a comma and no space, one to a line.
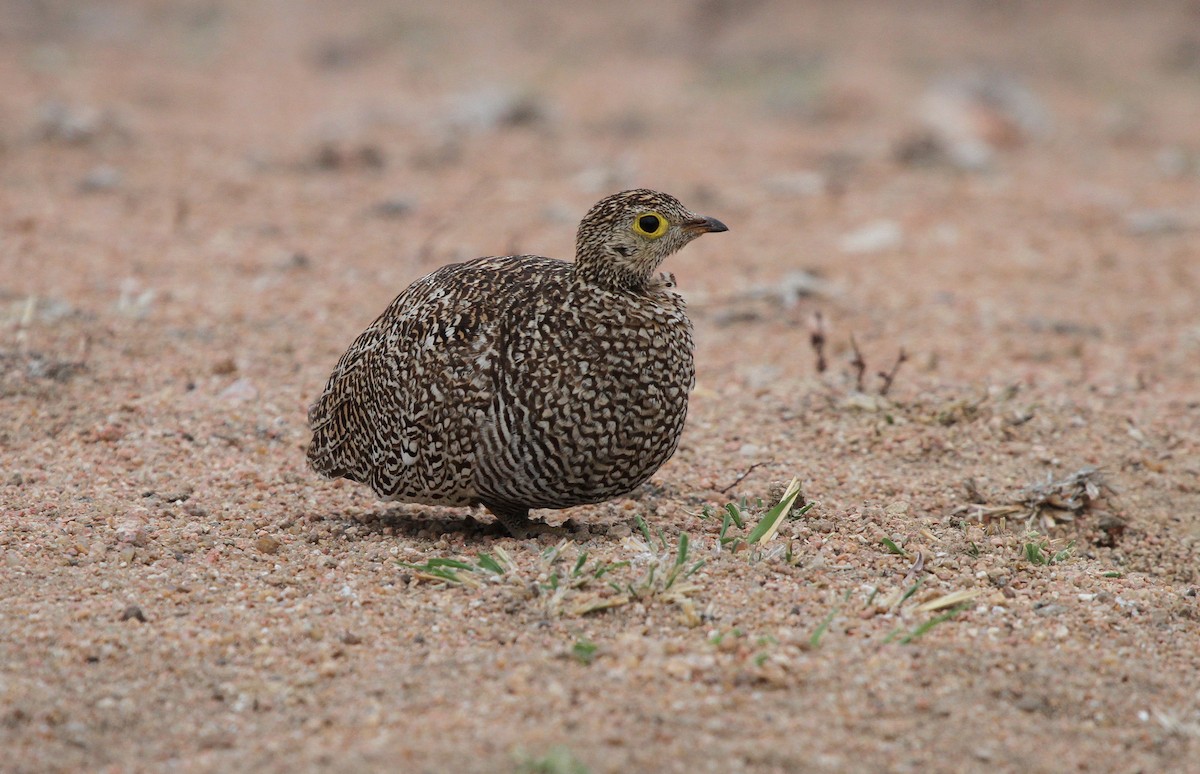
522,382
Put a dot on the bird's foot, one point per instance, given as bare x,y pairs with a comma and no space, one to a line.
517,523
534,529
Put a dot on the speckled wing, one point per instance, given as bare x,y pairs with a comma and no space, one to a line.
591,396
400,411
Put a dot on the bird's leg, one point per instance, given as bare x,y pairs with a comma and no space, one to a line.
518,524
514,518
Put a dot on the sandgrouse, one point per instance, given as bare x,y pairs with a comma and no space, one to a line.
522,382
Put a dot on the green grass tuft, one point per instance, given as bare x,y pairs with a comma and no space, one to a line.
770,522
1037,551
921,630
584,651
557,760
645,530
815,640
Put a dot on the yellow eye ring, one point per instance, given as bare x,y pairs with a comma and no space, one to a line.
650,225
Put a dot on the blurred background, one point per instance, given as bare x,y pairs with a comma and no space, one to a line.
925,167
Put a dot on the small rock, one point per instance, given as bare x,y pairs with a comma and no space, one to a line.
488,108
67,123
392,208
224,366
1149,222
133,531
1173,161
972,114
106,433
330,156
788,290
99,179
241,390
875,237
133,301
921,149
133,612
620,530
267,544
350,638
296,261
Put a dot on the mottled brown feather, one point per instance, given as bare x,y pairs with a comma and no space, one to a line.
521,382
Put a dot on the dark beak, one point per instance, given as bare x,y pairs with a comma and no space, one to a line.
704,226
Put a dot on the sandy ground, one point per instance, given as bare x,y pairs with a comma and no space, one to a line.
202,203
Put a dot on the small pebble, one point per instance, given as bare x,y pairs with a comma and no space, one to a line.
224,366
875,237
99,179
392,208
133,612
620,530
241,390
1151,222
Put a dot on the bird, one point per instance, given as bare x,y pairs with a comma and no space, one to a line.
521,382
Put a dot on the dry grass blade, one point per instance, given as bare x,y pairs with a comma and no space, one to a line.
948,600
769,525
593,603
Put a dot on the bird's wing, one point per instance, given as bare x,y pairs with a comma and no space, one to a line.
400,411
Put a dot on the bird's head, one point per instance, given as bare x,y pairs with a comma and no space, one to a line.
625,236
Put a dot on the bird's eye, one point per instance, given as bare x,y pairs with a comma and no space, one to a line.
651,225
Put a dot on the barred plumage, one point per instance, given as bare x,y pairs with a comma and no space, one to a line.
522,382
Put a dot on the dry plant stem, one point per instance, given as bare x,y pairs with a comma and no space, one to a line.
744,473
860,365
890,376
816,338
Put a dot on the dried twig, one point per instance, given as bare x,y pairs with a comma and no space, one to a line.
743,475
860,365
889,376
816,337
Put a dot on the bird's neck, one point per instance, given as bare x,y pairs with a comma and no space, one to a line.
605,274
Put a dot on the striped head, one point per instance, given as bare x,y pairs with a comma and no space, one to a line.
625,236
